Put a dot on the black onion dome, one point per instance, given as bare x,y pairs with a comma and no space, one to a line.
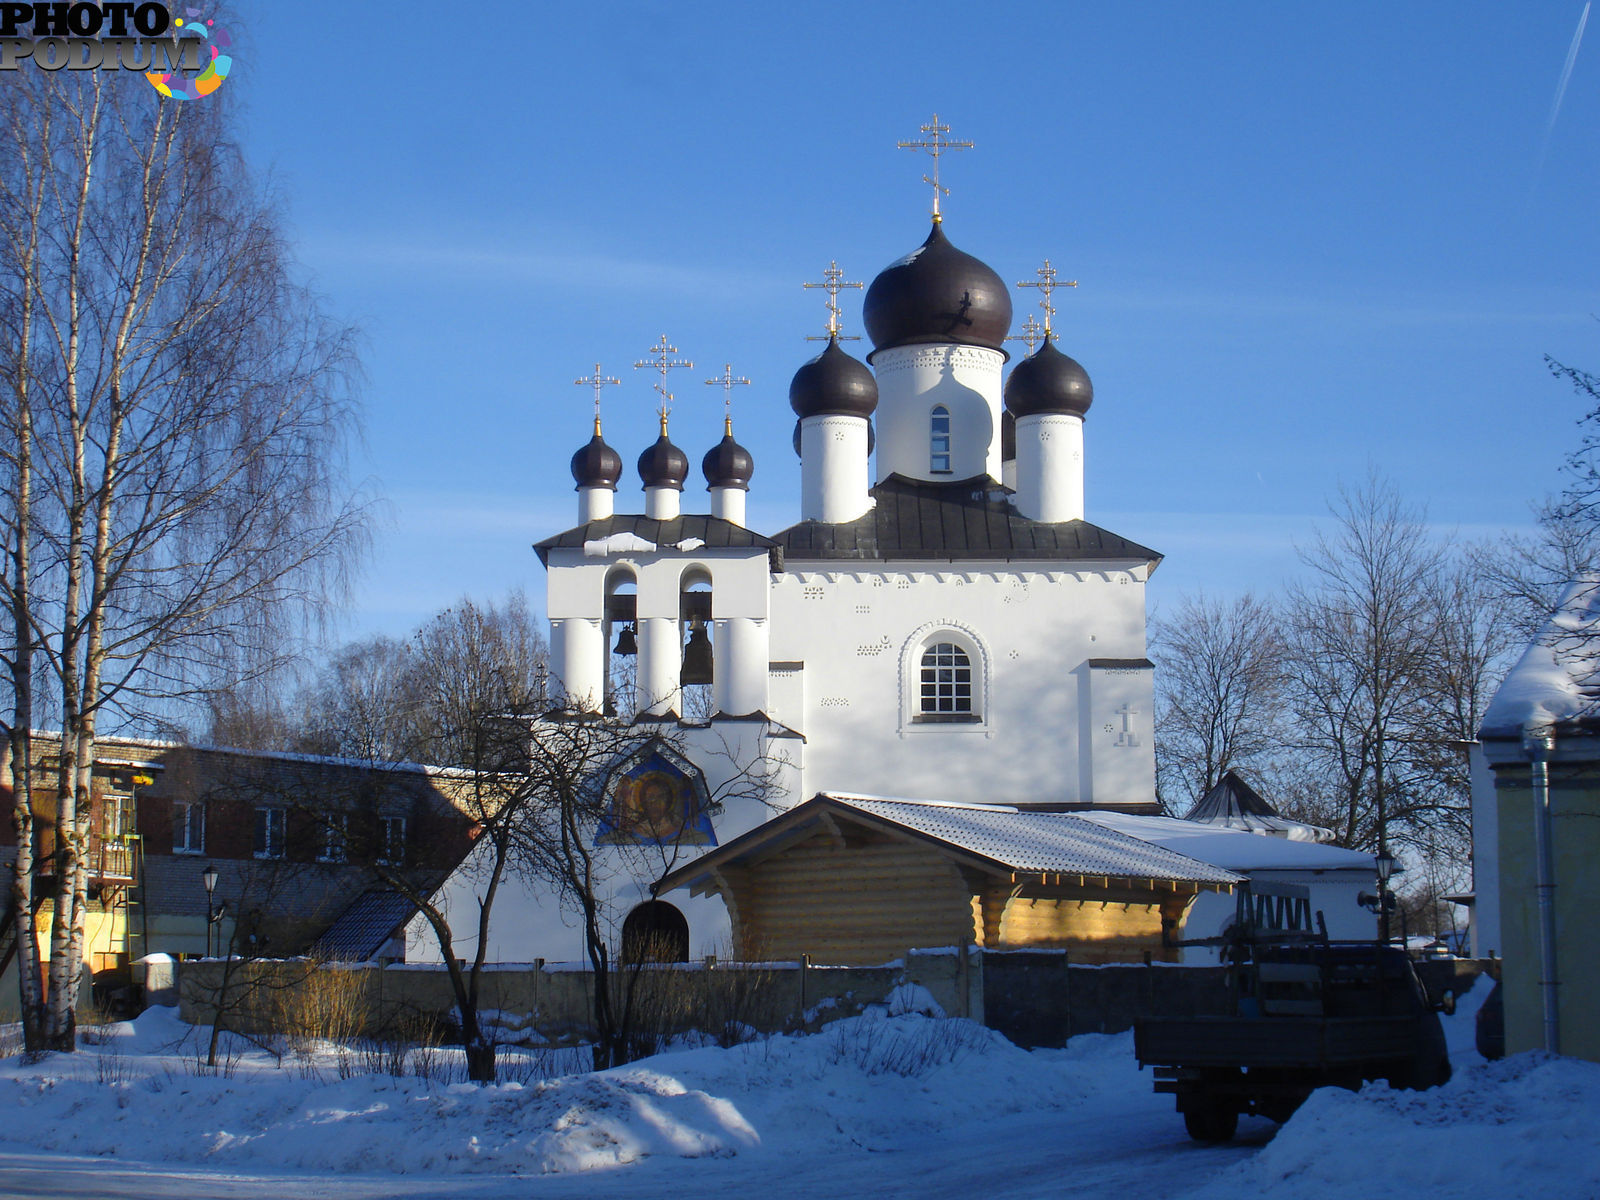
597,464
1047,381
664,465
937,294
728,464
834,384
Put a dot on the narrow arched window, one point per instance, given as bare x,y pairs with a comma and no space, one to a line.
946,681
939,441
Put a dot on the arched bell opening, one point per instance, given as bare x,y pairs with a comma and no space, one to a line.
655,932
698,672
622,642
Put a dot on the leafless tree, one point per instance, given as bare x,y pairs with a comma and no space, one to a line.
1361,636
176,498
1219,680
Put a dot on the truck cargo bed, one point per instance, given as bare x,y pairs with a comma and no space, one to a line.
1273,1042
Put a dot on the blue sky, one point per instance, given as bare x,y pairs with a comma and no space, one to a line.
1309,243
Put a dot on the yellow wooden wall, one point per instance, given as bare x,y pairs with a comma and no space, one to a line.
855,895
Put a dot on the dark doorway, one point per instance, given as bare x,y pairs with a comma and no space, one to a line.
655,932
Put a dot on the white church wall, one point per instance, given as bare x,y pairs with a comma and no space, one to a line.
833,468
528,920
858,633
1485,912
912,381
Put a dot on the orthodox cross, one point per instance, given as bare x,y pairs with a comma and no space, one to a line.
935,143
833,285
662,361
1032,333
597,381
729,381
1046,283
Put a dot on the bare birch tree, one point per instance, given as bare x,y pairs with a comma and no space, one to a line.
182,500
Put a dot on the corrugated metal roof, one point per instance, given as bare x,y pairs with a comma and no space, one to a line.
968,519
1053,843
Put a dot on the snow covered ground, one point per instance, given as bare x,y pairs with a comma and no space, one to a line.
904,1105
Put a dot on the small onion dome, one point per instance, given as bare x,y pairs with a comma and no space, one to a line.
1047,381
728,464
664,465
1008,436
597,464
872,438
835,385
937,294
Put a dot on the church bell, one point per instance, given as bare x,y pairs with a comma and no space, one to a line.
627,643
696,656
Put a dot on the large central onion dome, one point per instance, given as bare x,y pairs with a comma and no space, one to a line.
597,464
664,465
937,294
833,385
1047,381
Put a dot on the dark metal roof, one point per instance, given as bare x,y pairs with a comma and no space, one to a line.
1231,797
969,519
716,533
362,929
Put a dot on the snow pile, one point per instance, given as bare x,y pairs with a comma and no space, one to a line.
863,1082
895,1104
1523,1126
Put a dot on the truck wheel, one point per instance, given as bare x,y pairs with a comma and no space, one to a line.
1212,1123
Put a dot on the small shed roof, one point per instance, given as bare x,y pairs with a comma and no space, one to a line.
362,929
992,837
1234,804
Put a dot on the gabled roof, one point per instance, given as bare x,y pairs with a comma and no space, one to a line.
989,837
968,519
712,532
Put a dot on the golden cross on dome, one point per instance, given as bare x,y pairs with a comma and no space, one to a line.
1047,284
835,283
597,381
1032,333
661,362
729,381
935,143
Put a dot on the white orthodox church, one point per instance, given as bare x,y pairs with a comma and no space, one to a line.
942,625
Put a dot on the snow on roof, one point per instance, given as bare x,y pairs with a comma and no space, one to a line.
1232,849
1558,677
1054,843
617,543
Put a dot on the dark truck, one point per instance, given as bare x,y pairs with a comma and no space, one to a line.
1308,1012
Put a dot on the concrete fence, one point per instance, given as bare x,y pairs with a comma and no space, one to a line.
1035,998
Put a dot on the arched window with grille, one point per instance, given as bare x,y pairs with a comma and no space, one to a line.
939,441
946,683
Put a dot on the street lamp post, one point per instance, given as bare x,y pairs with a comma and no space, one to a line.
1385,864
209,878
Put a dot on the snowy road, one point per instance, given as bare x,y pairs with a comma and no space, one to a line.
1130,1151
